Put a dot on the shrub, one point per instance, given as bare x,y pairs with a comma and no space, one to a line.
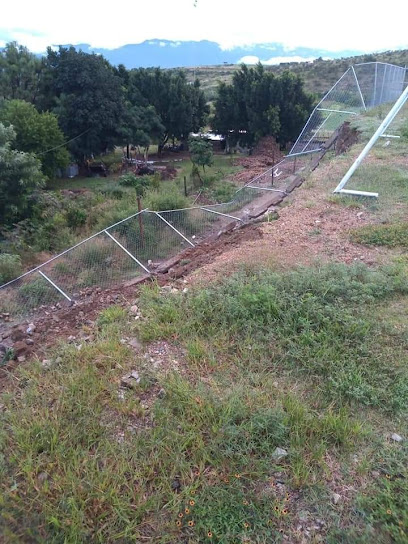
10,267
392,235
76,217
168,197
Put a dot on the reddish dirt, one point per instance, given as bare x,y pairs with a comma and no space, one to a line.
265,154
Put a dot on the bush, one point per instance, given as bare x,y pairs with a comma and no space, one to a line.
10,267
392,235
76,217
168,197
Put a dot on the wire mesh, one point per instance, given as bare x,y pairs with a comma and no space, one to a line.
361,87
384,169
148,238
27,295
97,262
195,223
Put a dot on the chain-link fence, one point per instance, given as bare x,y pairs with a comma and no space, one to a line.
361,87
134,246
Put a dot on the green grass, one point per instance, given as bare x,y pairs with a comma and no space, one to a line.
300,361
391,235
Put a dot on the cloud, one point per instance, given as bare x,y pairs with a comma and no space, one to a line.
37,23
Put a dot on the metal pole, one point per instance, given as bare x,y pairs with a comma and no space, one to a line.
219,213
128,252
375,85
174,228
338,111
387,121
359,90
55,286
67,251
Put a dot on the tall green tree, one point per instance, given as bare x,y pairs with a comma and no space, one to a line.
88,96
258,103
181,107
38,133
21,74
20,178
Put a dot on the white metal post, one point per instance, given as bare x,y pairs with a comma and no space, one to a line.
387,121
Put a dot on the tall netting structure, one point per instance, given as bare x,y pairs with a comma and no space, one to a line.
361,87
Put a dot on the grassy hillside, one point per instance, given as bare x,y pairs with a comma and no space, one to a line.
263,401
318,76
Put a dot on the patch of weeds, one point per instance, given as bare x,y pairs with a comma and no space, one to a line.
391,235
112,314
314,322
227,513
386,502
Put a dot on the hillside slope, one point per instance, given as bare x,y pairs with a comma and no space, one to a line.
262,398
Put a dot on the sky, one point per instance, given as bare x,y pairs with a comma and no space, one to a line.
335,26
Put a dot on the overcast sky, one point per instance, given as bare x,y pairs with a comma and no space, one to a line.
338,25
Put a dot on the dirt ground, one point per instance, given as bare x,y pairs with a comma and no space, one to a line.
308,228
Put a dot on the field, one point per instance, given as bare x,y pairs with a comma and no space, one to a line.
260,399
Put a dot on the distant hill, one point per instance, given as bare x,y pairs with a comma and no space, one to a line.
318,75
175,54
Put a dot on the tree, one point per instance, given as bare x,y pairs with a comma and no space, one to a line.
20,177
37,133
21,74
201,152
88,96
258,103
180,107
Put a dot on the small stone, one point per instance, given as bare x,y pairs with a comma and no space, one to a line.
336,498
21,359
131,380
135,344
396,437
42,477
161,394
134,309
31,328
71,338
279,453
46,363
29,341
185,290
375,474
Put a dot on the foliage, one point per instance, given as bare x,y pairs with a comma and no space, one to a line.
10,267
391,235
315,320
168,197
201,152
21,74
36,133
180,107
88,98
20,177
139,184
257,104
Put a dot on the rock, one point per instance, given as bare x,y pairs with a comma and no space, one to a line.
161,394
58,360
135,344
21,359
176,485
134,309
279,453
19,348
185,290
375,474
3,350
31,328
29,341
46,363
336,498
396,437
71,338
131,380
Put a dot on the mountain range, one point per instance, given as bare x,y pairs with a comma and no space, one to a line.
174,54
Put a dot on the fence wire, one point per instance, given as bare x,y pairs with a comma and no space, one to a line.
361,87
133,247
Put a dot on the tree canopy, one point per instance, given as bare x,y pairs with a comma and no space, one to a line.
20,177
258,103
37,133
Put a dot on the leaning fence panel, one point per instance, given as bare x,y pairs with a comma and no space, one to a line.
148,238
98,262
27,295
